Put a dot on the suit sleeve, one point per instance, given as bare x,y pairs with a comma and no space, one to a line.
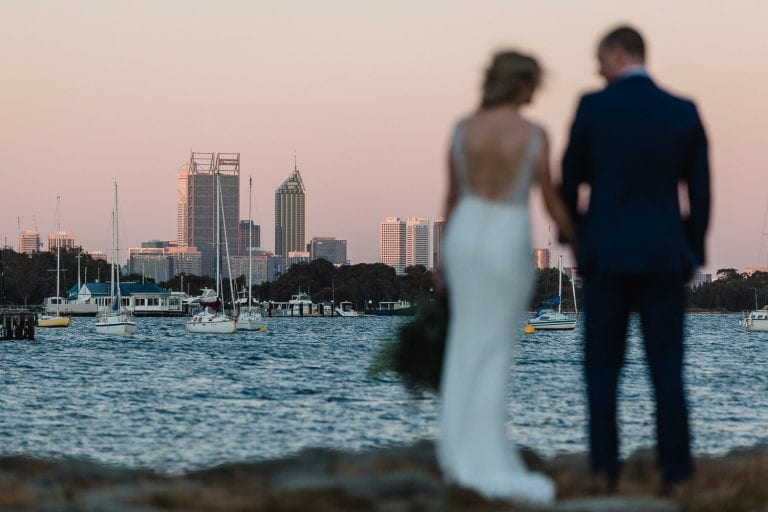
697,177
576,161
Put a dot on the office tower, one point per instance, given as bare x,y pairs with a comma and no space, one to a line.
438,226
197,204
329,249
67,240
182,206
242,237
290,215
417,242
541,258
29,241
392,243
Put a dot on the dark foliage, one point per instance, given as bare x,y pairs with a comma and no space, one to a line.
30,278
731,291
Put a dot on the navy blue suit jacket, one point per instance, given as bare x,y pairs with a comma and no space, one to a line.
633,144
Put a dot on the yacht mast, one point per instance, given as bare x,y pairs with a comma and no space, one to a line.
250,241
560,281
218,237
117,252
58,253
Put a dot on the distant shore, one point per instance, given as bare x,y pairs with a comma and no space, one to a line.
392,479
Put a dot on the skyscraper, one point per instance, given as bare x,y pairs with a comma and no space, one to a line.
29,241
438,225
67,240
290,215
392,243
542,258
243,235
197,204
329,249
417,242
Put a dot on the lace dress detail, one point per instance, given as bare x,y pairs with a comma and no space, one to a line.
488,265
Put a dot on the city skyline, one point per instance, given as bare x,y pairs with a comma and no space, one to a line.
96,95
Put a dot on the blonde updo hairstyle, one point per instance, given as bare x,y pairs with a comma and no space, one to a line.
509,74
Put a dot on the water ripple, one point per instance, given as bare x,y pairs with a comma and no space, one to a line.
172,401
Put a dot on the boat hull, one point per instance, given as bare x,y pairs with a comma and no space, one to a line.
250,321
56,321
560,325
117,329
755,325
394,312
211,326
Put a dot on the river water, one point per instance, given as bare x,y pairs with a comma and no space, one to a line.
173,401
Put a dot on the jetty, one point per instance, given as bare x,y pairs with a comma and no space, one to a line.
17,323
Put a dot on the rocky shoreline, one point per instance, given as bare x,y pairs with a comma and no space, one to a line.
386,480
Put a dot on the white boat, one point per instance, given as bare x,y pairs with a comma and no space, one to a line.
300,305
55,318
756,321
549,318
249,318
116,320
346,308
212,319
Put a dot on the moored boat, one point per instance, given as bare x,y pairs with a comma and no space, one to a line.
393,308
547,317
55,318
115,320
756,321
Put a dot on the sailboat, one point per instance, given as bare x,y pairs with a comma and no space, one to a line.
115,320
249,318
546,317
212,318
56,320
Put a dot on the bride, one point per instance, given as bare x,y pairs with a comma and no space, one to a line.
495,155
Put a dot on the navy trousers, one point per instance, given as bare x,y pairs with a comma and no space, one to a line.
659,299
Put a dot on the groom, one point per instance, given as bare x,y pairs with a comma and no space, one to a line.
634,145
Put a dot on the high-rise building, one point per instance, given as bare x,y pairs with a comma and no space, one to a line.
392,243
182,205
295,257
243,234
438,226
161,260
29,241
542,258
417,242
329,249
290,215
67,240
197,204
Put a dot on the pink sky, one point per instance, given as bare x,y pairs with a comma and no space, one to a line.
365,93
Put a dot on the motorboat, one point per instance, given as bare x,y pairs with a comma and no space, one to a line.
346,308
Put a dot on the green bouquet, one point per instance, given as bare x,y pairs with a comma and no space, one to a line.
416,354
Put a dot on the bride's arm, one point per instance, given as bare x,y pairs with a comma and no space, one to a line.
552,200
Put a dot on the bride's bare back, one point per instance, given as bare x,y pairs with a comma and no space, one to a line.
495,144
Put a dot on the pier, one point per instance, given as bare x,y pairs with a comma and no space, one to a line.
17,324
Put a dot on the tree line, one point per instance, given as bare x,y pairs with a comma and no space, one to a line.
27,279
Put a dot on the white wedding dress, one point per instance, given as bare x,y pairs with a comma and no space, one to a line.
488,270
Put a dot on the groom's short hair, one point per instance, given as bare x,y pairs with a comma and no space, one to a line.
627,38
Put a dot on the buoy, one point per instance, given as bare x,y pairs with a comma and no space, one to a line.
262,329
529,329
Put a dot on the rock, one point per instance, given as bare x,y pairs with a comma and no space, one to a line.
617,503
